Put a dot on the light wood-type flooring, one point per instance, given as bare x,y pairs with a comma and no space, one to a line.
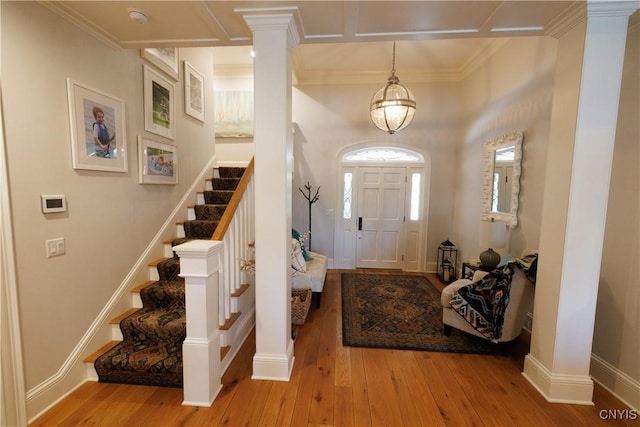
346,386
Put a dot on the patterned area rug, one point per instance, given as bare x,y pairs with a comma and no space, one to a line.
400,312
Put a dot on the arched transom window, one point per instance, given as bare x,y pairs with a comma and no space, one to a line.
382,154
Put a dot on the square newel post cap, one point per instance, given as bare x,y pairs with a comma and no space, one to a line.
199,257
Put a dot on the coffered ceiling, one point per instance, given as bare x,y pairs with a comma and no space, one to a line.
342,40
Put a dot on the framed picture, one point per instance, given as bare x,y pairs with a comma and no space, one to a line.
157,162
97,122
159,104
234,113
193,92
165,58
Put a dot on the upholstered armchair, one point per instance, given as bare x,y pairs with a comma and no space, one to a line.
520,300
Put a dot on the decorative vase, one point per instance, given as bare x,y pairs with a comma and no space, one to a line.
490,258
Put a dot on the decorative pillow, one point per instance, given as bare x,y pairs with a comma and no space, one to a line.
297,260
301,239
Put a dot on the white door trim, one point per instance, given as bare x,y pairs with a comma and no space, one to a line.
346,228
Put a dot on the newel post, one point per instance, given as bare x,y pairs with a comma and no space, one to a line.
200,266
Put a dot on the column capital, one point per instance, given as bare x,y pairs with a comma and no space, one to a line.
604,8
262,20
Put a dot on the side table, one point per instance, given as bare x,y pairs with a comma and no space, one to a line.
472,267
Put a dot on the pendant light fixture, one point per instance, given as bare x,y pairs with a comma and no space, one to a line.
392,107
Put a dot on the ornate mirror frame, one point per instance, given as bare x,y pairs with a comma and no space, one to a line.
510,218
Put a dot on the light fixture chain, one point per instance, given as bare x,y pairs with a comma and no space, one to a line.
393,64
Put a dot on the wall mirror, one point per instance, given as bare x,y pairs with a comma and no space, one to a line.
501,182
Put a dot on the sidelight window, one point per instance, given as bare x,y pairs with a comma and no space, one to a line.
346,211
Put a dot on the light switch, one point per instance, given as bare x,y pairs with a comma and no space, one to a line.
55,247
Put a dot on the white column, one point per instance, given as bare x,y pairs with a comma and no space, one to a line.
576,194
273,38
200,266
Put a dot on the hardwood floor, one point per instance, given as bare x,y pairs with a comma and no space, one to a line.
346,386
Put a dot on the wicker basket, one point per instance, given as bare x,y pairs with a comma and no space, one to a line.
300,303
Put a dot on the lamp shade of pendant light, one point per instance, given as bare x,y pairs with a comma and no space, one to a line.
393,106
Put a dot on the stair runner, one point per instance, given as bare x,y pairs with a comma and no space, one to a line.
151,350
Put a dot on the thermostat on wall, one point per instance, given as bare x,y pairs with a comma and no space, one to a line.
52,204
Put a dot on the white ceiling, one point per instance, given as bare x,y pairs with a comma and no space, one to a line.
340,41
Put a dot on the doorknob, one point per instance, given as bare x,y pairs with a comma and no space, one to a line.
360,223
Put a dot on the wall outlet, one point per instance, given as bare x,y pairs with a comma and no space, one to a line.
55,247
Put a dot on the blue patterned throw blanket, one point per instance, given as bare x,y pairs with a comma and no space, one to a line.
483,303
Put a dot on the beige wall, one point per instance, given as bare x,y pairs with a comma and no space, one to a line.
617,327
111,218
512,90
330,118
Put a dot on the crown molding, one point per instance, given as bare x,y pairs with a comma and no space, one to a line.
481,55
406,76
79,21
571,17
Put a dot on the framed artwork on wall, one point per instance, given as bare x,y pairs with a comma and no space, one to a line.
157,162
97,124
159,104
193,92
166,59
233,113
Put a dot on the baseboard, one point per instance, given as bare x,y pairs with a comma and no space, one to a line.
431,267
73,373
617,383
572,389
49,393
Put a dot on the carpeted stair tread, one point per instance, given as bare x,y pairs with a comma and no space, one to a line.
196,229
116,320
163,293
168,269
217,197
224,183
153,326
231,172
142,363
209,212
99,352
179,240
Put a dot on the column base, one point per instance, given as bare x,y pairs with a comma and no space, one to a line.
273,367
558,388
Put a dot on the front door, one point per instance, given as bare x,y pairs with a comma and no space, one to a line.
381,216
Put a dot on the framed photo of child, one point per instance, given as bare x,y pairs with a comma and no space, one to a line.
97,123
157,162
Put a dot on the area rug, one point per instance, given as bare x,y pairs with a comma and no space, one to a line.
400,312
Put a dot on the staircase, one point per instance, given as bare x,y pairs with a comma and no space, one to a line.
147,345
